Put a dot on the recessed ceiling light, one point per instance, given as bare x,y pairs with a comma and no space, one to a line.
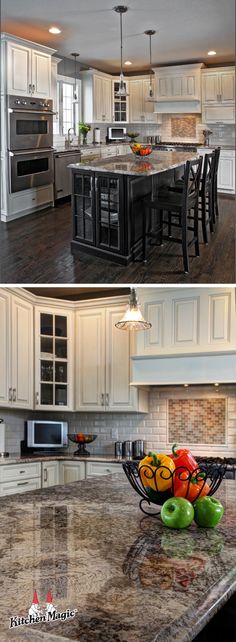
54,30
211,53
216,385
128,62
185,385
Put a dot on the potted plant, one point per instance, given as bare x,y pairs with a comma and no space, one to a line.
84,128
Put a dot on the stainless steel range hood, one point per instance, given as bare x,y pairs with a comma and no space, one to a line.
192,368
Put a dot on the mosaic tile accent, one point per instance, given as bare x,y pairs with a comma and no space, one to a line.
185,127
197,421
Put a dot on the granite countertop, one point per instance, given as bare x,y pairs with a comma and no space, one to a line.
130,578
19,459
156,163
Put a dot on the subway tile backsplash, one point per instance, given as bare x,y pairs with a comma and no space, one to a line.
153,427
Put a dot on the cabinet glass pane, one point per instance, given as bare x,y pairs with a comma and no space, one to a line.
46,347
46,368
60,326
46,324
47,394
60,371
60,395
109,232
83,220
60,349
82,185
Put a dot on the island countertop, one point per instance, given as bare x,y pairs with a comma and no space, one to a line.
157,163
130,578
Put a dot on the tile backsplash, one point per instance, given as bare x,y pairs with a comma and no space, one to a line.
197,421
152,427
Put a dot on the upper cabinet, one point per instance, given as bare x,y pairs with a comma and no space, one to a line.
27,69
191,321
16,351
140,110
120,112
179,86
103,362
96,97
218,95
53,359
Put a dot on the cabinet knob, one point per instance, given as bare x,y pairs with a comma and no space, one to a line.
10,394
107,399
33,89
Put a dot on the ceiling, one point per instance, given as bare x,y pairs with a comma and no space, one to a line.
186,30
77,294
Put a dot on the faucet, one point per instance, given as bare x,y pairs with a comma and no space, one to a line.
69,138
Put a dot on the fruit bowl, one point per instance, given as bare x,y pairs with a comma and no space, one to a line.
206,474
141,150
81,439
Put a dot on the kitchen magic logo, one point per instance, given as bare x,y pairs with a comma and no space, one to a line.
37,614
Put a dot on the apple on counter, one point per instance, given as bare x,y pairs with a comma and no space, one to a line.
208,511
177,512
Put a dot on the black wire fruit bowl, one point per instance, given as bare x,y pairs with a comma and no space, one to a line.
147,482
81,439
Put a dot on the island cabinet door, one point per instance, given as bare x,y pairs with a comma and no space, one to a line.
109,213
84,207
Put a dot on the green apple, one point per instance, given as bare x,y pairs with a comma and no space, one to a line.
208,511
177,512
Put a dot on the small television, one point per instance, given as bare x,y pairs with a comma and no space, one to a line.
46,435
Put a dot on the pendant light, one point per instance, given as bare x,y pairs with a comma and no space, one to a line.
122,89
150,33
133,318
75,98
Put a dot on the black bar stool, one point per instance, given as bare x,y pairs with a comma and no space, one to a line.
178,205
215,185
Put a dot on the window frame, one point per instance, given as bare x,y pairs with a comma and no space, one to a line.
76,107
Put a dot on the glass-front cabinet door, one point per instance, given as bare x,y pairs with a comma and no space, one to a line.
120,105
84,224
109,212
54,373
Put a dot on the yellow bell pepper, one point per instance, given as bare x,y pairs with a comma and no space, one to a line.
153,474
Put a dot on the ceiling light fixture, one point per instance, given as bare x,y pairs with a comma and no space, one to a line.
133,318
54,30
150,98
122,88
128,62
211,53
75,56
186,385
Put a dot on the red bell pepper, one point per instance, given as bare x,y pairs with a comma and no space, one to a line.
183,457
190,487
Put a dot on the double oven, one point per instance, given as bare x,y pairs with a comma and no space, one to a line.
30,142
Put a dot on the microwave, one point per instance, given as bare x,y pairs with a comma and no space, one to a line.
116,133
48,435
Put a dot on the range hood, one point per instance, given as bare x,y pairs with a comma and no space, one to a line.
180,369
178,89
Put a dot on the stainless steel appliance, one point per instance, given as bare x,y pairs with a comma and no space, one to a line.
30,169
46,434
127,449
30,123
62,174
138,449
116,133
118,448
228,462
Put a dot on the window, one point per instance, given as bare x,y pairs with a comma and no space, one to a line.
69,112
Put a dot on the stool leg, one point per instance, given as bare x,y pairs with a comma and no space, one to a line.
185,242
169,225
212,210
196,233
160,233
144,212
204,227
216,199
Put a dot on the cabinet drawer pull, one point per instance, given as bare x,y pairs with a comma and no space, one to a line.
108,470
45,475
107,399
102,399
10,394
14,394
21,471
22,483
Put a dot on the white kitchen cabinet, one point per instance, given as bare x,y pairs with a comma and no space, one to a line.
141,111
96,97
196,321
218,114
54,380
218,86
226,172
120,111
19,478
50,473
103,362
16,319
181,83
71,471
97,468
28,70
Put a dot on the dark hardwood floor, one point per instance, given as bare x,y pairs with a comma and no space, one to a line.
36,249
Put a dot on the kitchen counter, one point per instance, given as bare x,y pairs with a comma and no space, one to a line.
18,459
130,579
156,163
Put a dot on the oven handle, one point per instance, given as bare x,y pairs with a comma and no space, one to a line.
30,111
24,152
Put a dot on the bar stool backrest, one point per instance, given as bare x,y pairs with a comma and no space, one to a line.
217,151
192,177
208,171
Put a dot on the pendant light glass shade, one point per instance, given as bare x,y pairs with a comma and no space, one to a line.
122,88
150,98
133,318
75,97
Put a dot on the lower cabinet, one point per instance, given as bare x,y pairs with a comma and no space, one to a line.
12,488
50,474
19,478
95,468
71,471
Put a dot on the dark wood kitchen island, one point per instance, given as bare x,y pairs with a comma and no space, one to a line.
125,578
107,201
